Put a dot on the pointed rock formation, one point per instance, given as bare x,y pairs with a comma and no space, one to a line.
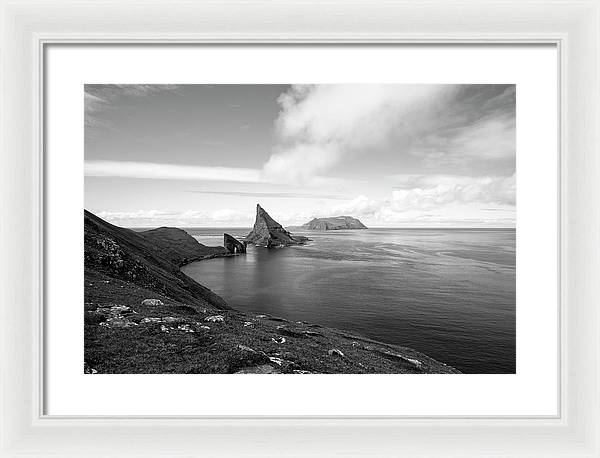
269,233
233,245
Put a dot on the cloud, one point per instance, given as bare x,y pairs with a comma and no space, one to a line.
129,169
188,218
320,124
358,113
434,199
361,205
163,171
276,195
433,191
488,140
475,131
228,215
466,216
138,218
462,126
418,193
302,163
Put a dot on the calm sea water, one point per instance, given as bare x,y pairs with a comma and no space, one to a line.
449,293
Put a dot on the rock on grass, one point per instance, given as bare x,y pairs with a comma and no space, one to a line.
152,302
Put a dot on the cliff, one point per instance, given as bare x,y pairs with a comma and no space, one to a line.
333,223
269,233
233,245
147,259
143,315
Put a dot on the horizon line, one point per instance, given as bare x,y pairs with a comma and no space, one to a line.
293,225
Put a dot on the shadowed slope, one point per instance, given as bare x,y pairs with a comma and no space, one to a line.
178,246
147,259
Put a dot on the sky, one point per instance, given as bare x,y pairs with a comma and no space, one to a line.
390,155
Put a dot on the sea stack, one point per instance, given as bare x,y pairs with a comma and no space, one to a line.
269,233
233,245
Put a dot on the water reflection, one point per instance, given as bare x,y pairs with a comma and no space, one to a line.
448,293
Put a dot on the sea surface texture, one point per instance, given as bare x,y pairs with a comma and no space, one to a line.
449,293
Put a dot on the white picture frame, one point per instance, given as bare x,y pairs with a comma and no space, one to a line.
28,26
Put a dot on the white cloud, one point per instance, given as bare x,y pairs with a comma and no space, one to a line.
359,114
138,218
432,199
138,214
162,171
228,215
301,163
318,125
361,205
131,169
188,218
431,191
464,215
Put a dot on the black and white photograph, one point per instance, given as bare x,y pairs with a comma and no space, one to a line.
300,229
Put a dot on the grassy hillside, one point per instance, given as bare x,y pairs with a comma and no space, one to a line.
145,260
178,246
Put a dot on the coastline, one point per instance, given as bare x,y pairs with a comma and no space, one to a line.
186,328
207,257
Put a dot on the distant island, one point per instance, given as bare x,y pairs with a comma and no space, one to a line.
333,223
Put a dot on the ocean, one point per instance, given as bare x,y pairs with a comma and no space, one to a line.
449,293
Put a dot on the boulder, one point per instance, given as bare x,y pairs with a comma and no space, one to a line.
152,302
118,322
335,352
116,316
185,328
276,360
215,319
269,233
233,245
405,359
